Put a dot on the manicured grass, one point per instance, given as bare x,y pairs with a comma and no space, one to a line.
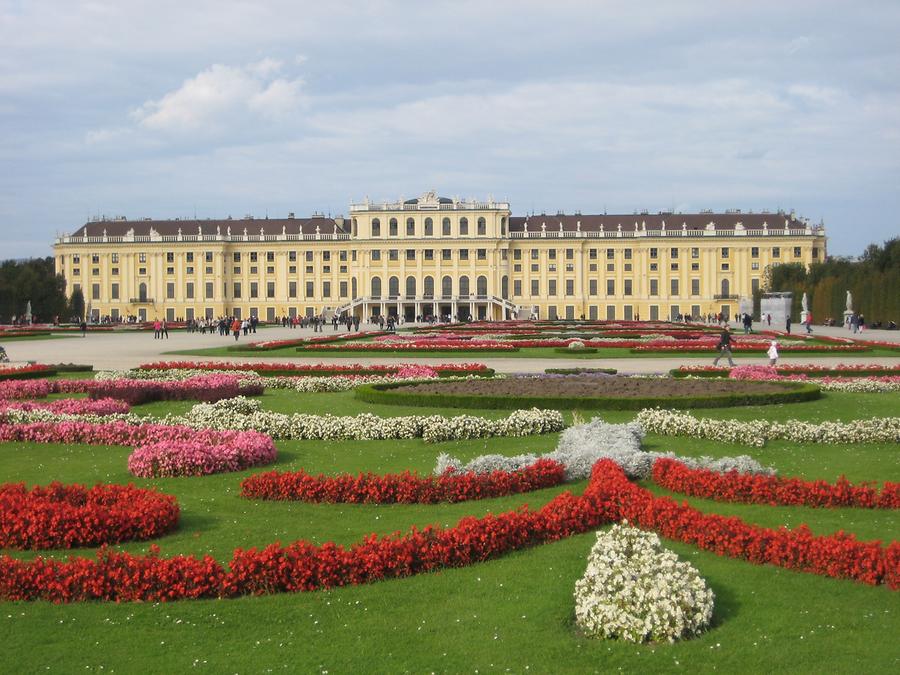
513,613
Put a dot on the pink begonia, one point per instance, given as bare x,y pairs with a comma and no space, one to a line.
418,372
175,450
72,406
19,389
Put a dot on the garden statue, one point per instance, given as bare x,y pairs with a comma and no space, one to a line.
849,302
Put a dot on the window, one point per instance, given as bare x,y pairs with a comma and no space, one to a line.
627,267
654,287
551,287
410,254
627,254
254,257
673,253
535,254
326,255
95,291
270,289
535,268
114,292
309,256
392,227
673,289
446,253
725,267
376,227
326,289
592,254
482,254
410,227
570,254
535,288
429,227
188,257
517,268
695,267
552,268
610,286
170,291
309,269
393,254
170,257
114,258
292,256
570,287
428,254
610,267
376,255
673,267
610,254
724,251
310,289
517,254
797,253
627,289
481,227
376,287
209,290
463,254
654,252
592,267
592,287
209,270
551,254
464,285
517,287
326,269
343,289
654,267
271,269
254,289
695,287
815,253
237,290
141,270
96,271
445,227
189,290
754,251
695,252
463,227
446,287
209,256
570,267
292,289
754,266
270,256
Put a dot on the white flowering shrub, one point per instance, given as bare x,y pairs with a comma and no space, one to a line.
583,445
757,432
635,590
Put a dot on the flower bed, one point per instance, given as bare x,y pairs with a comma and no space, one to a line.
773,490
404,488
30,371
757,432
302,566
319,369
160,450
19,389
429,346
269,345
70,516
739,348
841,370
207,388
635,590
72,406
583,391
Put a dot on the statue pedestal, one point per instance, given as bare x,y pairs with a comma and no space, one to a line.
847,315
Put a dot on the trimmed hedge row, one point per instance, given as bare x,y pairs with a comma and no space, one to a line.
579,371
794,392
583,350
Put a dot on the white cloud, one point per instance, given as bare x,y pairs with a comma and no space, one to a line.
223,97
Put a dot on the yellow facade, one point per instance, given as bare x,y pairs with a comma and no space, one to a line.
432,256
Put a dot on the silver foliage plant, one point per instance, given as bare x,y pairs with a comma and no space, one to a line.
583,445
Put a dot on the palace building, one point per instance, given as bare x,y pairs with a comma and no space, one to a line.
433,256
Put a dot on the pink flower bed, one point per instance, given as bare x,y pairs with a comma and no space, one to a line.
19,389
72,406
318,369
160,450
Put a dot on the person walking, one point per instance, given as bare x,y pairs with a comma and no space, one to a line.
724,348
787,323
163,330
83,328
236,329
773,353
156,329
809,320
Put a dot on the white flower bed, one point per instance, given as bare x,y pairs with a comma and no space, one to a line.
635,590
582,446
860,385
246,414
757,432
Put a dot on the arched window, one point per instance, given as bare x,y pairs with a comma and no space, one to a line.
392,227
429,227
376,227
445,227
410,287
393,287
376,287
481,285
446,287
429,287
464,285
504,287
503,226
410,227
353,287
725,288
463,227
142,292
482,226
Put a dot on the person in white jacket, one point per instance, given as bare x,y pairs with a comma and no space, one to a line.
773,353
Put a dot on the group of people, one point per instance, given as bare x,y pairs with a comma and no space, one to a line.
724,349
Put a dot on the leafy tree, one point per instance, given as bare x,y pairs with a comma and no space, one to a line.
33,280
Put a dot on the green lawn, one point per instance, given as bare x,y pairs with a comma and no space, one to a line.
513,614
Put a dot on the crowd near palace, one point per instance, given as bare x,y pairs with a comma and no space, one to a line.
433,257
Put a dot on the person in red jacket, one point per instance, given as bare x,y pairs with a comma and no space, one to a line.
236,329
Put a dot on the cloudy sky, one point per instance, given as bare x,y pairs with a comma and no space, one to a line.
174,108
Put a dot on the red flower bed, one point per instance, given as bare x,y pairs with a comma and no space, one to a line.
32,370
206,388
69,516
403,488
319,369
414,346
757,489
302,566
267,345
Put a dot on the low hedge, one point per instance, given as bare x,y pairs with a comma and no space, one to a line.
872,372
794,392
579,371
583,350
73,368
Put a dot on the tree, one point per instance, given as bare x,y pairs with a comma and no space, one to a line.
33,280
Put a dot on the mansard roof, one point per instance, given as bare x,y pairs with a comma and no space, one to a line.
268,226
651,221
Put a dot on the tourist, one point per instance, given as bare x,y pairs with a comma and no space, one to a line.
245,326
787,324
163,330
83,328
724,348
236,329
748,323
156,329
773,353
809,320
